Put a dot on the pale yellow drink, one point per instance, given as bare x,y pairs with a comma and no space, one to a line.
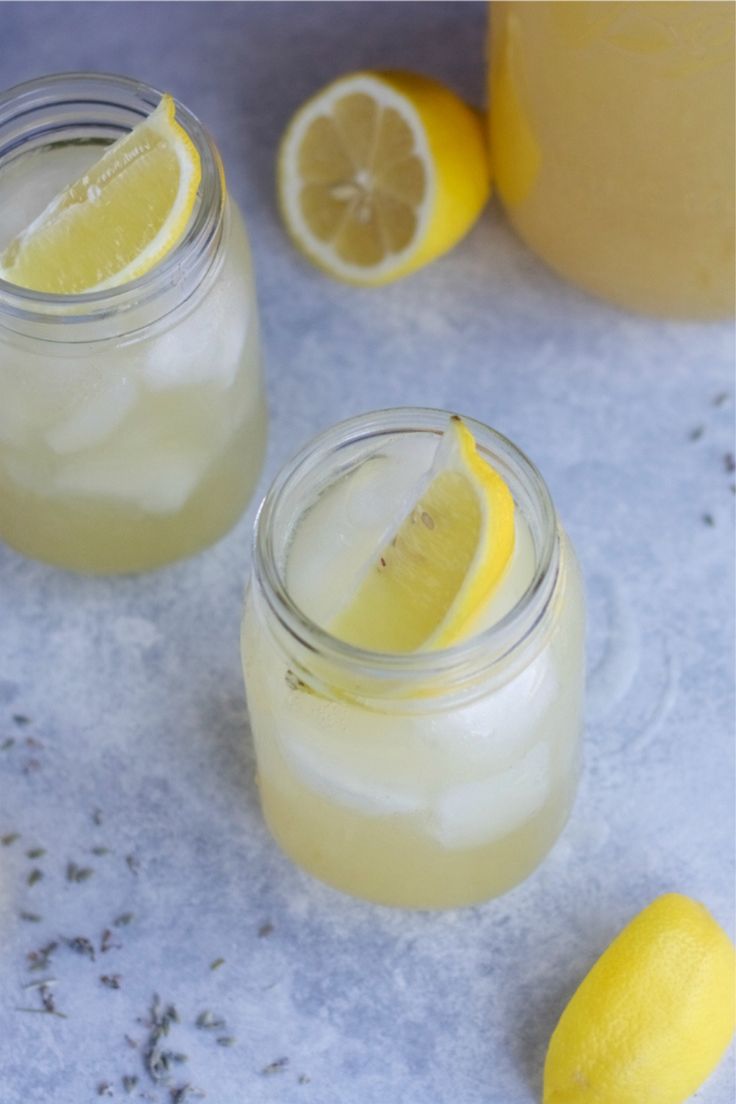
132,426
612,132
423,781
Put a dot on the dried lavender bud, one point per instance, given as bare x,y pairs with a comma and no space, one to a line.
185,1092
112,981
106,941
276,1066
76,873
82,946
39,960
207,1021
157,1064
35,876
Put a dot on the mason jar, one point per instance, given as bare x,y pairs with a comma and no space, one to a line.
427,779
132,420
612,134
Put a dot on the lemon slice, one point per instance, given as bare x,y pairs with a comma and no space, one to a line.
654,1016
119,219
380,173
427,584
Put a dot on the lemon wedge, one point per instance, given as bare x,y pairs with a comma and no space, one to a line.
379,173
119,219
436,573
654,1016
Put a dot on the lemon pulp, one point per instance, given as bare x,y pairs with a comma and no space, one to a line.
427,584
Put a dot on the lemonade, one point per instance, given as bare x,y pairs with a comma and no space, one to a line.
612,133
132,419
432,778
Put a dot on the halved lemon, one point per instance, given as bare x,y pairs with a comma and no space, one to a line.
426,586
380,173
119,219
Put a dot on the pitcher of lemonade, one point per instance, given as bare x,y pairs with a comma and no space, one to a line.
612,134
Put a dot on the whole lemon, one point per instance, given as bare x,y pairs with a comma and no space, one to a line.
652,1019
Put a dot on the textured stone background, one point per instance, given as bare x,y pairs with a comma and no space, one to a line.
133,686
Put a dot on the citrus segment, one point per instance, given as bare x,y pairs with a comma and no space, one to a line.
440,567
652,1019
118,220
380,173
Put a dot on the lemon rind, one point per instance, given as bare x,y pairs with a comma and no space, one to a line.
497,500
173,228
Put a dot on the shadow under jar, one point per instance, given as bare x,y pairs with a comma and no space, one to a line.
132,420
430,779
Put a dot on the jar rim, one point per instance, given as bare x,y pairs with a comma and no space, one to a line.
108,92
467,659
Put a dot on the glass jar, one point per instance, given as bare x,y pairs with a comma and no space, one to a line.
429,779
612,133
132,420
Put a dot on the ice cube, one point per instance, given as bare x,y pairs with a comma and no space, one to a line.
492,732
95,418
346,787
158,482
205,346
476,813
348,771
340,535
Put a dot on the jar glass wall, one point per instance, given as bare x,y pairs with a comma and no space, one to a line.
132,420
429,779
612,133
